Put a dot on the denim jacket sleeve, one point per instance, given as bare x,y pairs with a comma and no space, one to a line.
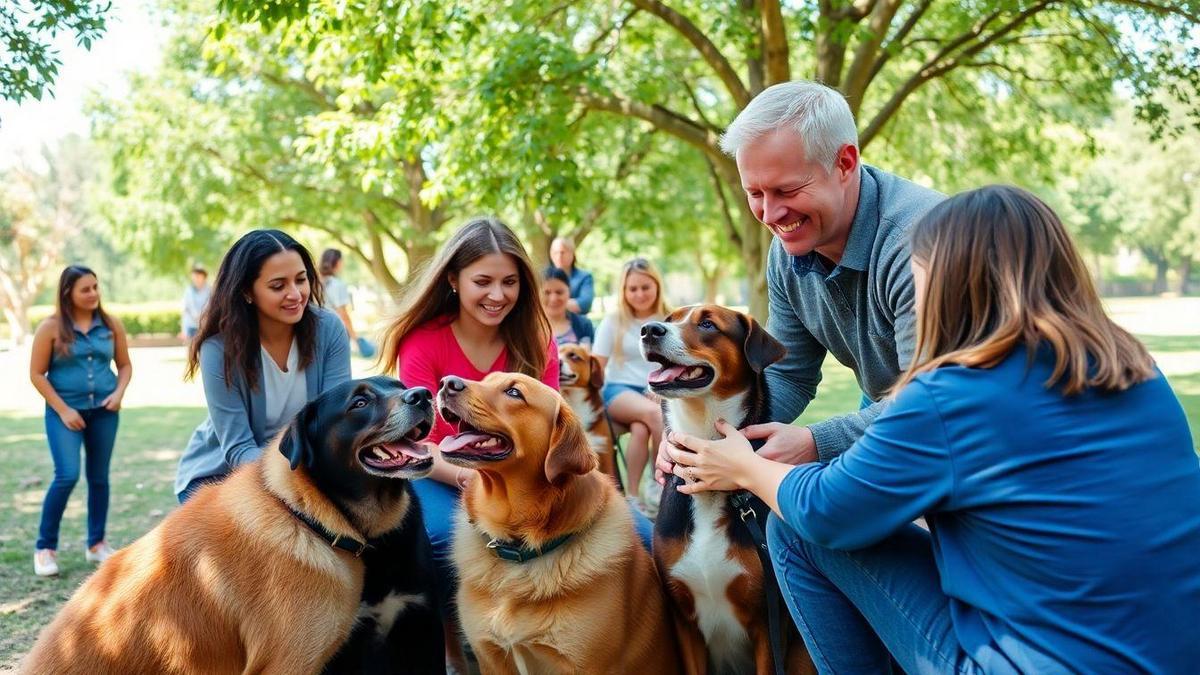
587,292
227,406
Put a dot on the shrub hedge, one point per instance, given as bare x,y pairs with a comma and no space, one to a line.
147,318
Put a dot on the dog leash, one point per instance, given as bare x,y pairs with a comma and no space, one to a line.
744,502
348,544
618,451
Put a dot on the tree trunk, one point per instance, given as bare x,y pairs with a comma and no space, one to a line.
1185,273
18,323
756,241
1160,275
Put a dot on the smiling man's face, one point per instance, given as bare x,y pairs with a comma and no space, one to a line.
806,205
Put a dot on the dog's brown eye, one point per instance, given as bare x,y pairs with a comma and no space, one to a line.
358,403
707,325
513,392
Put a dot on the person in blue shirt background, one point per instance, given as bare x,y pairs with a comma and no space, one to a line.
71,367
1048,455
583,291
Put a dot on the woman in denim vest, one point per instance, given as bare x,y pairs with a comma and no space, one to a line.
71,367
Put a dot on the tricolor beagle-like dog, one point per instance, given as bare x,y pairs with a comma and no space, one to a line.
711,361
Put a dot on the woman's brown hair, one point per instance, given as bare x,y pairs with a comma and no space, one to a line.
230,316
1003,273
65,308
526,330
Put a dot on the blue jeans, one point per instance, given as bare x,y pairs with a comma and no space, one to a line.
97,439
859,609
439,503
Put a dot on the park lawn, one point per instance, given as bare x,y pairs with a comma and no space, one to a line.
141,483
143,472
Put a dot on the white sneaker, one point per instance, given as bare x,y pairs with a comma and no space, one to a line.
99,553
45,562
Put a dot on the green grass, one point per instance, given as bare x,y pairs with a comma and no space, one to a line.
141,479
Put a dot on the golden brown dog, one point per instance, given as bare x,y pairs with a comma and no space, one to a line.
711,361
552,577
580,376
235,580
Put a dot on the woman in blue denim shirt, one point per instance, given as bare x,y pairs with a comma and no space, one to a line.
71,367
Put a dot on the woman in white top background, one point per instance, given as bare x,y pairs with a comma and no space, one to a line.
626,393
337,298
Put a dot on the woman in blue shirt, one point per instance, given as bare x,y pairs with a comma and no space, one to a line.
1049,457
265,348
583,291
71,367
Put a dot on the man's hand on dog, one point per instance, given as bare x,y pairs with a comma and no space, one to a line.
784,443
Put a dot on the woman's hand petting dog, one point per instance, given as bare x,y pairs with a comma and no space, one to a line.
786,444
723,464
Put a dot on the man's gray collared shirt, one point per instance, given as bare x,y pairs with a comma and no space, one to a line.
860,310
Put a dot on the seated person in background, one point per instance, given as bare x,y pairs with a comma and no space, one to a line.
562,256
567,326
626,372
1048,454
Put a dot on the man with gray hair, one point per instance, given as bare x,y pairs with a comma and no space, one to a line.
838,272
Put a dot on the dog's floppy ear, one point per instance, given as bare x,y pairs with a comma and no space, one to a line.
761,348
570,453
597,379
295,445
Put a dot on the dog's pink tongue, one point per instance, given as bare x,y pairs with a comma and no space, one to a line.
461,441
413,450
666,374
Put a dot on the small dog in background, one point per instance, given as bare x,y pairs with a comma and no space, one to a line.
580,378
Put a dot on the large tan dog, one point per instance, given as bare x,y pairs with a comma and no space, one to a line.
235,580
552,577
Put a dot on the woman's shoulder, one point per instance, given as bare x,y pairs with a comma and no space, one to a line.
434,331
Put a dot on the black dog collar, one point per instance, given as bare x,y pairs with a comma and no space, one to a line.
343,542
508,550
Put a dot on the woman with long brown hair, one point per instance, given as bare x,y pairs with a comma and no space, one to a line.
71,366
471,311
265,348
1050,458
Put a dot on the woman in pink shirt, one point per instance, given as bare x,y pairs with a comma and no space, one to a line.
474,310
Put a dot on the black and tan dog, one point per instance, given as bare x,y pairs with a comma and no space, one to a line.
580,378
552,576
265,571
711,361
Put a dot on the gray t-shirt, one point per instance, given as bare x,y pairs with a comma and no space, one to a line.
860,310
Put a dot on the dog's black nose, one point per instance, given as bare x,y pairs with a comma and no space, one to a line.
416,396
451,385
654,330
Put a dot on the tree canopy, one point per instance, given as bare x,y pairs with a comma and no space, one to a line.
377,120
28,62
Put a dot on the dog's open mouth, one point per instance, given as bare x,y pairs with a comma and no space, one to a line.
670,375
394,454
473,444
566,376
